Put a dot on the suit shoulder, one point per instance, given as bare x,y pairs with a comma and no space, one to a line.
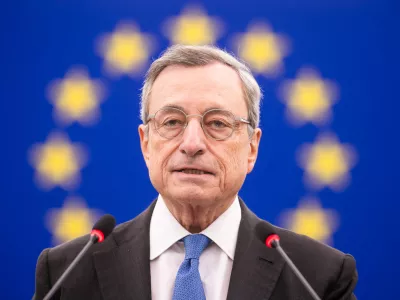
302,247
67,250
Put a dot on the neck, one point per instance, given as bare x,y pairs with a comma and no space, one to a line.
196,218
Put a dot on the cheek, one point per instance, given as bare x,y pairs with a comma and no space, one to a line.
236,159
160,152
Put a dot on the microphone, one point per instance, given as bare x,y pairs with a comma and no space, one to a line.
101,230
272,241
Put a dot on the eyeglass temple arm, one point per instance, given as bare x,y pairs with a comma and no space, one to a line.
242,120
149,117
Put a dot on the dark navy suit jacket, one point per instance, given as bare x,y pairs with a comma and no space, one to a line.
119,267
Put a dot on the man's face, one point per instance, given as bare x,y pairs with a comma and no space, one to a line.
197,90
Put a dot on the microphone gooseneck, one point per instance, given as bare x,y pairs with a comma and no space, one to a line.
101,230
272,241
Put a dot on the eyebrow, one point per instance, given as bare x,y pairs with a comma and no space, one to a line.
183,109
173,106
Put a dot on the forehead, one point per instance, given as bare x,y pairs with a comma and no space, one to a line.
198,88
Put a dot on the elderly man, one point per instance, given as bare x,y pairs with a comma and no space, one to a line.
198,240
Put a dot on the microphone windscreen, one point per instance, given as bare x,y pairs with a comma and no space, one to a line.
105,224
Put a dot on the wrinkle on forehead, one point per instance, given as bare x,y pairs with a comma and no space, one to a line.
199,89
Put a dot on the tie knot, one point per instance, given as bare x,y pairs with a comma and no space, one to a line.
195,245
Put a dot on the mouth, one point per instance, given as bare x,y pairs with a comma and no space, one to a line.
194,172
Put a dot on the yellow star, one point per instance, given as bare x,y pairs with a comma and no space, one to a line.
327,162
308,98
57,162
193,27
76,97
73,220
262,49
126,51
312,220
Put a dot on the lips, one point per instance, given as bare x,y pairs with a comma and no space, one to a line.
193,170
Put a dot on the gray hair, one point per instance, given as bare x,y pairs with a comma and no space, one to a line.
191,56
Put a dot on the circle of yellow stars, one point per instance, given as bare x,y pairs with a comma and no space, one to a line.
76,97
126,51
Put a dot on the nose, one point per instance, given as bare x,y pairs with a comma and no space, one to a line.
193,139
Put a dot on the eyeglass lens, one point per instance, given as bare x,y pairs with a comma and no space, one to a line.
218,124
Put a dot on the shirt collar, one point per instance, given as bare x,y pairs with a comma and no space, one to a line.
224,230
165,230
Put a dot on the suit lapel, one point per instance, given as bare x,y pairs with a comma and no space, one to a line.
123,266
256,268
123,270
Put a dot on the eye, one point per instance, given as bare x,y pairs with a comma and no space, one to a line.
217,124
172,123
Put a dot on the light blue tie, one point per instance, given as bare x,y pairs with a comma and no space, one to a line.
188,284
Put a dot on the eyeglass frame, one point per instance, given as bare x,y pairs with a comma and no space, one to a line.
237,119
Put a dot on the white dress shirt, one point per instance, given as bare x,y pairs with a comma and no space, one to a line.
167,252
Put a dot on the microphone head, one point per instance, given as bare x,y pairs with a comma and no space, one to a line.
103,227
272,241
266,234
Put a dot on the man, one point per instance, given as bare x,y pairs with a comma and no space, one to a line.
198,240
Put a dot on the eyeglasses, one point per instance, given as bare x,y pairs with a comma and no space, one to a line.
218,124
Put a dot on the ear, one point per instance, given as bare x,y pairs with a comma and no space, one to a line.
253,151
144,141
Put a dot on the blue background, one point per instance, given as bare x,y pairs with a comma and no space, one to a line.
354,43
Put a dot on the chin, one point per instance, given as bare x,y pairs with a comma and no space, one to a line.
193,195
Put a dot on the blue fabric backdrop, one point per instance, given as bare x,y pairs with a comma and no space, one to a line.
328,162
